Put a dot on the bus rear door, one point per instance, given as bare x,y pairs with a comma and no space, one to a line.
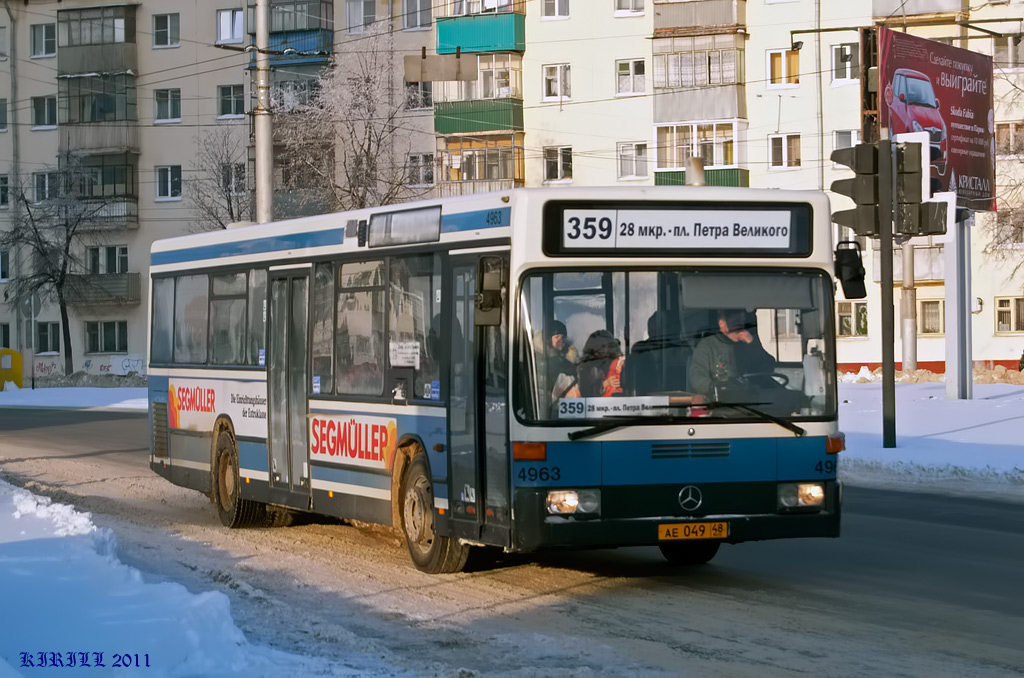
286,387
478,411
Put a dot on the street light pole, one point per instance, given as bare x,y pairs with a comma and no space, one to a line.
263,128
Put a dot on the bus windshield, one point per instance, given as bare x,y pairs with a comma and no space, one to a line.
597,345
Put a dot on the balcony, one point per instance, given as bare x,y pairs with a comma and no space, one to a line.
105,289
714,102
313,46
479,115
728,176
116,136
695,17
112,214
450,189
481,33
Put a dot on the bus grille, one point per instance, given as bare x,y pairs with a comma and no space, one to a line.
695,450
160,429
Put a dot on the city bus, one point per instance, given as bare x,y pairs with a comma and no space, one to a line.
511,372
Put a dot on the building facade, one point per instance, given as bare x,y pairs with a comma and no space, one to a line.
150,104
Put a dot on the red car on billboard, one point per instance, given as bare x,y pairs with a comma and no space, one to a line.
913,107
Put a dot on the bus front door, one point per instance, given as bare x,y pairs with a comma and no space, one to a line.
477,416
286,388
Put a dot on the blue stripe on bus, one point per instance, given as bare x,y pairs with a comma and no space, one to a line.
471,221
277,243
253,456
351,476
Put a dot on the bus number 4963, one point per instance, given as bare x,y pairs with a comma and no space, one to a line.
543,474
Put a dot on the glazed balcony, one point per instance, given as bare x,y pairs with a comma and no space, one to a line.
681,17
105,289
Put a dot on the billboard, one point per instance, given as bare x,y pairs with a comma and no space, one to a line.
946,91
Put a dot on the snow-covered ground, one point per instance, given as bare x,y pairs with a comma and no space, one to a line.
66,594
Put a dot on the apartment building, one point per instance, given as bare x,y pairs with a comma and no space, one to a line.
595,92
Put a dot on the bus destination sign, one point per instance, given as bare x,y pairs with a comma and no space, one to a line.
677,229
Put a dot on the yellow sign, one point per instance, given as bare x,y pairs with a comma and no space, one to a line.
10,368
717,530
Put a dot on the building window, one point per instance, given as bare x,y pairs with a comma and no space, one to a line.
1010,138
3,115
629,76
419,94
845,62
930,316
100,98
109,336
557,82
844,138
107,259
853,319
1007,52
107,176
1010,227
232,178
712,142
232,100
43,40
5,192
417,13
783,68
783,151
44,111
5,335
168,182
676,67
421,169
46,186
1010,314
3,42
630,6
359,14
499,76
554,8
229,26
482,158
96,26
166,30
558,163
5,266
632,160
47,337
168,105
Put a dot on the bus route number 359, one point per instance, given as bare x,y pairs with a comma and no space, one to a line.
588,227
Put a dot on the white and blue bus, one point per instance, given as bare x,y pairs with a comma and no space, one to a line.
525,370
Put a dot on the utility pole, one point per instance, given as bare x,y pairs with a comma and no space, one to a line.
887,190
263,127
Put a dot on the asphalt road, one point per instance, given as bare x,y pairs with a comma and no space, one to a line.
918,584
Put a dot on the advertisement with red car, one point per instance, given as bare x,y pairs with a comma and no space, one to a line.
946,91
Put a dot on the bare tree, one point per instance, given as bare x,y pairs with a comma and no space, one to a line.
1004,230
66,202
348,140
218,189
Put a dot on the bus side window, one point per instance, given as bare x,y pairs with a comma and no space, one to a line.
414,321
257,317
321,325
360,350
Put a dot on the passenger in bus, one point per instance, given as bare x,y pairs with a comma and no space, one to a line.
724,359
559,358
600,368
657,364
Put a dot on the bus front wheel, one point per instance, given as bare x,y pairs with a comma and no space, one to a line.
430,552
692,553
232,509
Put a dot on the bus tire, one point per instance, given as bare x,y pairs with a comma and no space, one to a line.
692,553
231,508
430,552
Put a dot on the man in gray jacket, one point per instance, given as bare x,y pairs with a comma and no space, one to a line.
727,356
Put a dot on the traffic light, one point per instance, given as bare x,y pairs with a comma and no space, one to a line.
916,214
863,219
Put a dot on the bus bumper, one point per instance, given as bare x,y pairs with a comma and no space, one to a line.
536,530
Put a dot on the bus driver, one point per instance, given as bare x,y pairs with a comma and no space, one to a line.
730,354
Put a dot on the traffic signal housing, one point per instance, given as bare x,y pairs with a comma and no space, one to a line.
863,189
917,213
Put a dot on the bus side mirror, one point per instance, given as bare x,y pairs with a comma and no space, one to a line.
489,289
850,270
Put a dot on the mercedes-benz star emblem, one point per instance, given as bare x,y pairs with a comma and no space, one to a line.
690,498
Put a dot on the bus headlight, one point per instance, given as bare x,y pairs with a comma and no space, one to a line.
801,495
562,502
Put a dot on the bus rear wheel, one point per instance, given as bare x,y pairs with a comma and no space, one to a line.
430,552
692,553
231,508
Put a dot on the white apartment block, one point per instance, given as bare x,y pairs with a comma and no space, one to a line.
582,92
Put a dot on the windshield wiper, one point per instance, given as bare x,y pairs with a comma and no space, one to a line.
748,407
614,422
